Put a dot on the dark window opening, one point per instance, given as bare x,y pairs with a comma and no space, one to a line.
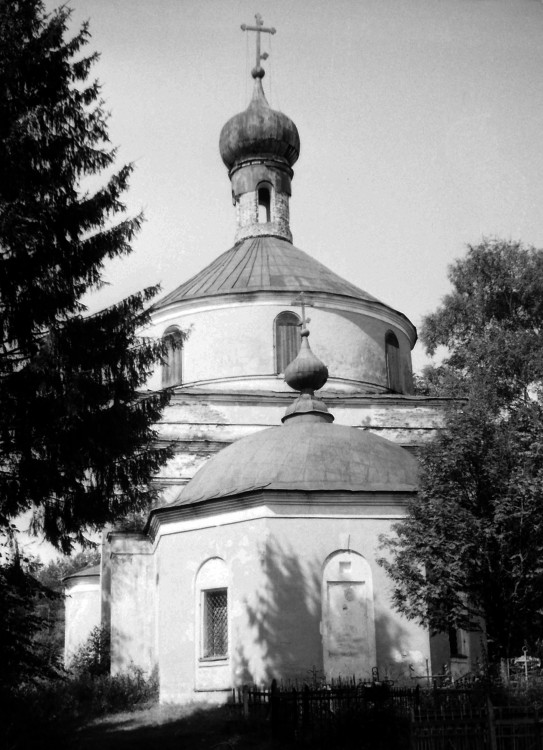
456,643
172,364
215,624
287,339
453,642
392,354
264,204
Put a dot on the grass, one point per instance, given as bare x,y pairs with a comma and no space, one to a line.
192,727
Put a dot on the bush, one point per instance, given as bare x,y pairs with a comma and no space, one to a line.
85,695
56,706
94,691
93,657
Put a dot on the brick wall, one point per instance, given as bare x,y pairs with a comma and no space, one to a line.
247,217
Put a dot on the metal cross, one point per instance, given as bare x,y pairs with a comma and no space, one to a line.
260,29
301,299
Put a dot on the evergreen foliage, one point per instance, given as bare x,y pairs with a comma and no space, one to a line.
25,659
469,554
77,444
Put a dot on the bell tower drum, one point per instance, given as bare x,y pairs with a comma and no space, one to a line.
259,146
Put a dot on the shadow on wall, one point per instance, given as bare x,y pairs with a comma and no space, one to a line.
283,619
397,660
283,640
121,651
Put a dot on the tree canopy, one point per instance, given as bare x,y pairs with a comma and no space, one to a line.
469,552
491,323
77,442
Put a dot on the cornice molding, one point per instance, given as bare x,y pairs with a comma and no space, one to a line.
324,300
197,393
313,501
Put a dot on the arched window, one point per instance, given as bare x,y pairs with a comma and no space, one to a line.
264,203
287,339
212,603
392,354
172,365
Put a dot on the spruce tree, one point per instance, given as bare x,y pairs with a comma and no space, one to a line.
77,444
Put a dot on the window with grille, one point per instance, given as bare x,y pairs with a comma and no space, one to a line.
215,624
287,339
172,366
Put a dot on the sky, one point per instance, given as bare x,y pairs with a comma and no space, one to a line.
421,126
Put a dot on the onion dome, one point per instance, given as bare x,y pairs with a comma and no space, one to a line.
306,373
259,131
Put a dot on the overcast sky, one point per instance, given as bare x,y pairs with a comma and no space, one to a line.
421,125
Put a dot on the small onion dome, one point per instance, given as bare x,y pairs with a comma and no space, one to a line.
259,131
306,373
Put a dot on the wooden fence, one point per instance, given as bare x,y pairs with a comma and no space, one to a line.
383,716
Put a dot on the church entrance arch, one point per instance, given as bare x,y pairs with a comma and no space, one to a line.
348,626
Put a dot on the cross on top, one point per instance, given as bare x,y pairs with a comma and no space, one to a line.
301,300
258,71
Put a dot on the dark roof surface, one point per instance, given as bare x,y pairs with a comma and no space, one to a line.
263,264
259,131
304,456
89,570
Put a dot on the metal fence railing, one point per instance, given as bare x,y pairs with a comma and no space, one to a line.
465,718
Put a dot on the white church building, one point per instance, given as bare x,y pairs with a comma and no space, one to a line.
260,562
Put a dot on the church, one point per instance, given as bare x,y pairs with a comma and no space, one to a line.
291,459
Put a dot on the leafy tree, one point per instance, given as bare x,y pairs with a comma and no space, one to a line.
491,322
93,656
53,573
77,443
469,552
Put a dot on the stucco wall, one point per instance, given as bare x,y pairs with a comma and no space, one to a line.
82,608
199,424
275,568
133,601
236,342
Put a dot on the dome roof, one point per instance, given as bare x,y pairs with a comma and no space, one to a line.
304,456
259,131
88,571
269,264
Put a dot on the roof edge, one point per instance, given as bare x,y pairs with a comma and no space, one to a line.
401,496
241,296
